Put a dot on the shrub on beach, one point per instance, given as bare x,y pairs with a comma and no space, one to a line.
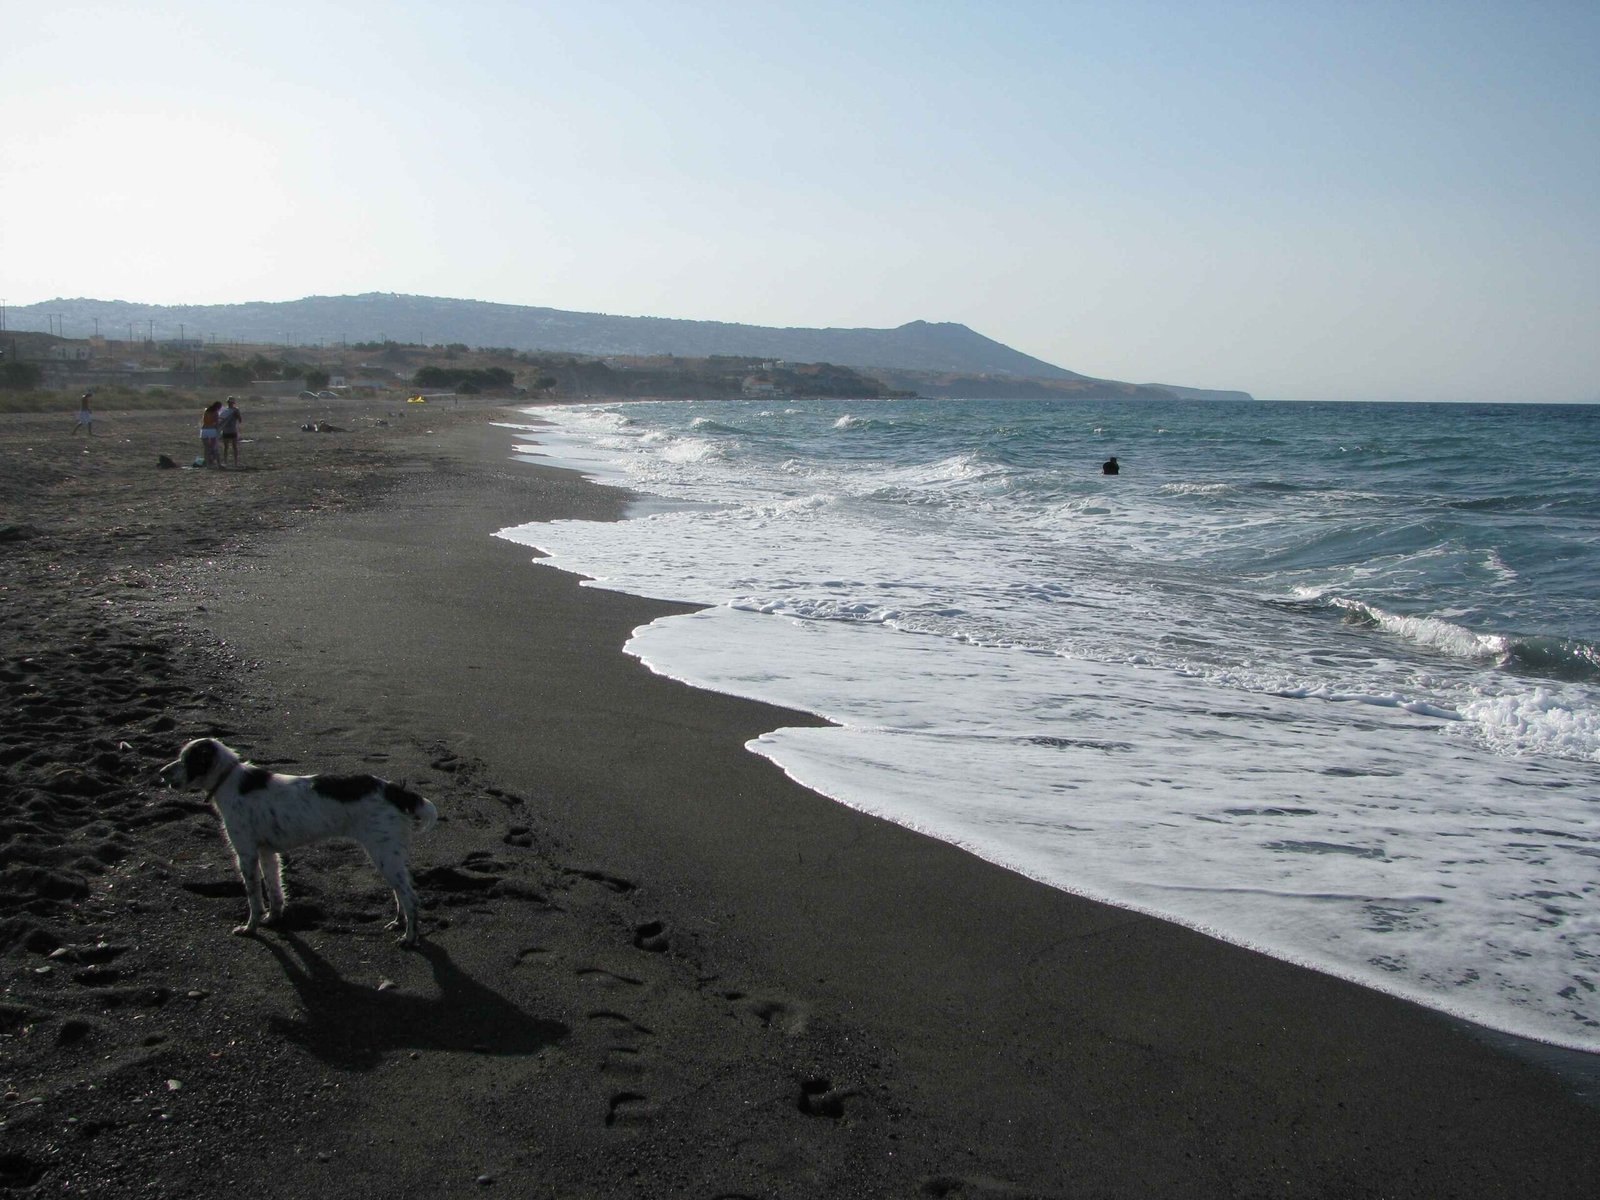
20,376
462,378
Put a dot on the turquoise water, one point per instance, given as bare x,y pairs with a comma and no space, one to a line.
1319,678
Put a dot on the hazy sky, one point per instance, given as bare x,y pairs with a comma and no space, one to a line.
1323,199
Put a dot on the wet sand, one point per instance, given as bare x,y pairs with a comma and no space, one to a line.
652,965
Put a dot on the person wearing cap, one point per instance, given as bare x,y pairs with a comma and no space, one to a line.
228,422
85,415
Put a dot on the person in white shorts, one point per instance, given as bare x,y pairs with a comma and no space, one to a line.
209,421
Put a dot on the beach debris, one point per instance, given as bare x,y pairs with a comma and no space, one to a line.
164,462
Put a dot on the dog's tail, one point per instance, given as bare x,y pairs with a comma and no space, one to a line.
421,811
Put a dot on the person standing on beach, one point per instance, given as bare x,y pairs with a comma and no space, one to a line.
228,422
86,414
209,421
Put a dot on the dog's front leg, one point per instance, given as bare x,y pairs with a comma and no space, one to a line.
248,859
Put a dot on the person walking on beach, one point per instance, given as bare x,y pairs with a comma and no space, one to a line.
85,415
228,422
209,421
1109,467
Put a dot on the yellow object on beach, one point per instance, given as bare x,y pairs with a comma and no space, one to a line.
417,400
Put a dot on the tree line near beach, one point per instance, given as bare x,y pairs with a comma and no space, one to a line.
36,368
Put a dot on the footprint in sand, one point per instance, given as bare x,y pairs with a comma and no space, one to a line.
623,1059
972,1187
18,1171
96,955
74,1030
623,1062
456,886
788,1017
606,1018
651,936
611,882
95,977
819,1098
630,1108
607,979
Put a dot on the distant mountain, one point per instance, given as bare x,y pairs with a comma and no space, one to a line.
974,386
1190,393
381,316
935,358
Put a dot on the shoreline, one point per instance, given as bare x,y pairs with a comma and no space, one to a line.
1578,1068
650,960
885,699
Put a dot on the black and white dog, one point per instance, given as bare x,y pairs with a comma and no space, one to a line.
264,813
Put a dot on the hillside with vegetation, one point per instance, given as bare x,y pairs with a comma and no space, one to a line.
432,320
39,362
154,356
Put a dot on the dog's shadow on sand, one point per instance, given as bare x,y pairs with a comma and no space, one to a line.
353,1026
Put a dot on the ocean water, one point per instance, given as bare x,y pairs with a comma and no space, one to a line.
1319,679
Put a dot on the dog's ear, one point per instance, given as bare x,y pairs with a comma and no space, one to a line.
199,758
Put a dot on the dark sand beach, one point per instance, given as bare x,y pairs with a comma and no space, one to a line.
652,965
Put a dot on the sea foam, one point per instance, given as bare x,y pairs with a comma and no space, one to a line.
1150,689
